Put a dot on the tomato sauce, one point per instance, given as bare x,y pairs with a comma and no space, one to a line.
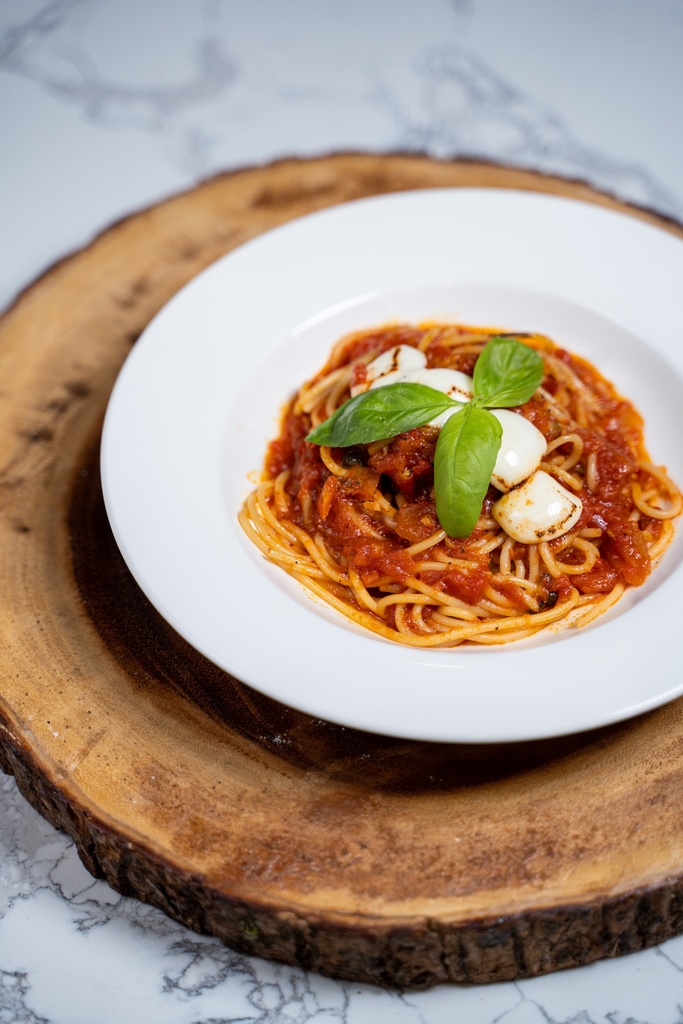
343,509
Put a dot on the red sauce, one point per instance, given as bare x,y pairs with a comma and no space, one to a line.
356,533
408,461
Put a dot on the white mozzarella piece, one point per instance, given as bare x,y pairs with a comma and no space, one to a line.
521,449
538,510
453,383
391,367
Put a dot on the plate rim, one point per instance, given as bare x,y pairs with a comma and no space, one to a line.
256,246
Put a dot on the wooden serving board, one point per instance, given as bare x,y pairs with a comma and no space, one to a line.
373,859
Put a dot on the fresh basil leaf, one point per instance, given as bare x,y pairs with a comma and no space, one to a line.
463,462
381,412
506,373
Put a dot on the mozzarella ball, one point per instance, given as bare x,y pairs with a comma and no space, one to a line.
391,367
539,509
521,450
453,383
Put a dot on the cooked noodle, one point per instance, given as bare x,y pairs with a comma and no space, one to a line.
358,527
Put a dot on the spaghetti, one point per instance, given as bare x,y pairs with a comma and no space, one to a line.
358,526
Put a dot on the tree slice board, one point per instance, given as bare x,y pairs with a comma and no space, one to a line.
362,857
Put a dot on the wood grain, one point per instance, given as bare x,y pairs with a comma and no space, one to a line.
362,857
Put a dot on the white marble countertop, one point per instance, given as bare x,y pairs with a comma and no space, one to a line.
109,105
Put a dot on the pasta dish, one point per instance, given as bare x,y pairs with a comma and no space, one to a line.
568,511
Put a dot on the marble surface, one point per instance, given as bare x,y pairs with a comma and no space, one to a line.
109,105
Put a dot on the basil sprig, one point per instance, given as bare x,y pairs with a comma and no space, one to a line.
463,462
382,412
506,374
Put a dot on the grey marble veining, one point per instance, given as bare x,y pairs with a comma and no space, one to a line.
135,100
108,105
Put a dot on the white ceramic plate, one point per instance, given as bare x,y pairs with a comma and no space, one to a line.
200,396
